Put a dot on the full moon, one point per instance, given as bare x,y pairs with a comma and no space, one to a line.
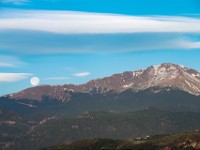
35,81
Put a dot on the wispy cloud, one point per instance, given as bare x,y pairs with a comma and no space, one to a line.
43,43
56,78
82,74
61,32
13,77
16,2
7,65
67,22
188,43
9,61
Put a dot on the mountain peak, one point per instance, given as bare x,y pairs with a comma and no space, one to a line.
167,68
163,75
170,65
175,76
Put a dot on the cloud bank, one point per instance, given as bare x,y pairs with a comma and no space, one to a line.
62,32
68,22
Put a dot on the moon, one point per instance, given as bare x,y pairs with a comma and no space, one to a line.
35,81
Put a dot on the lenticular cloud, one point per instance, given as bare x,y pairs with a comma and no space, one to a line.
68,22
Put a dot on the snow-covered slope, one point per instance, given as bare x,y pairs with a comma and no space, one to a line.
170,75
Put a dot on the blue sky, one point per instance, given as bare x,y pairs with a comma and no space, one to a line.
74,41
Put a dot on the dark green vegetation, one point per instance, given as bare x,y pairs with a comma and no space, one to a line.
12,128
125,125
184,141
125,115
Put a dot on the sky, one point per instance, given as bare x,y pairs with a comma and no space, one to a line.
74,41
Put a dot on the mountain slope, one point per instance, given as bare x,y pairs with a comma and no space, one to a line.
12,128
166,98
183,141
127,125
164,75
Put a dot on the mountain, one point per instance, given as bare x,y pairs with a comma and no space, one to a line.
183,141
164,75
157,100
167,86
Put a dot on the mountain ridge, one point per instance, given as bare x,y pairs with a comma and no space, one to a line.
162,75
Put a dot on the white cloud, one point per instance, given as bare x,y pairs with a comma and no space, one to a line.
16,2
82,74
57,78
61,33
67,22
13,77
